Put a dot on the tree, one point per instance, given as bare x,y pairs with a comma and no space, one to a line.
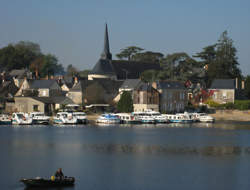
125,103
71,70
149,75
51,66
179,66
128,52
37,65
148,56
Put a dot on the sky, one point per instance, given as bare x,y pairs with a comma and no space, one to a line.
73,30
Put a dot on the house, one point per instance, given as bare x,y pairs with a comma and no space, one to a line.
18,75
97,91
118,69
145,97
173,96
127,85
40,88
226,90
7,91
47,105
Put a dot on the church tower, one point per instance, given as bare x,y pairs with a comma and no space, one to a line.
103,68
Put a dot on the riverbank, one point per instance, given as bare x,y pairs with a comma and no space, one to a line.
231,115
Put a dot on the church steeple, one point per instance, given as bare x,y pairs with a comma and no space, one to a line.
106,52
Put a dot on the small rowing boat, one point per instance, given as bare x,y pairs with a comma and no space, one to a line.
41,182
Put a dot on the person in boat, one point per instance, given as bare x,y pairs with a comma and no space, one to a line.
59,174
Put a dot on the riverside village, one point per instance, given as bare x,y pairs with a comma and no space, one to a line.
139,87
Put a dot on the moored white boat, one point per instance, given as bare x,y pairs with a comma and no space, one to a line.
81,117
39,118
206,118
64,118
5,119
128,118
179,118
108,119
144,117
20,118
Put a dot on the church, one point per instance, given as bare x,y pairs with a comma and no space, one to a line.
106,68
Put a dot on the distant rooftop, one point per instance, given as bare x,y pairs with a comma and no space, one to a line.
223,84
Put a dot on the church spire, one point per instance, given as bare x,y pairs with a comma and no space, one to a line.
106,52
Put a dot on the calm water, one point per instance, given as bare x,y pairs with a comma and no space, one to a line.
146,157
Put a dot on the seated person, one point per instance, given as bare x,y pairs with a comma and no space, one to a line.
59,174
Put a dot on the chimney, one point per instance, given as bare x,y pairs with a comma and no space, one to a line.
236,83
242,84
154,85
75,80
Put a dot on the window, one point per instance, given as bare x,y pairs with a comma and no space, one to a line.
224,95
35,107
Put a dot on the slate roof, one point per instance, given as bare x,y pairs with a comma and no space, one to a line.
170,85
103,67
20,73
38,84
223,84
57,100
144,87
109,85
130,83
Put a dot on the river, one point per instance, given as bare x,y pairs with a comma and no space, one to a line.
146,157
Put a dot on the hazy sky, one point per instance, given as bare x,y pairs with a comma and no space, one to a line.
73,30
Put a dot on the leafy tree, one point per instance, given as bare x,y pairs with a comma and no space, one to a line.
71,70
125,103
148,56
128,52
51,66
149,75
220,59
179,66
37,65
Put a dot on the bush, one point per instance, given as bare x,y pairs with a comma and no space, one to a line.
229,105
242,104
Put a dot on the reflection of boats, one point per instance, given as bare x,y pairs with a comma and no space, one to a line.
40,182
20,118
39,118
81,117
108,119
5,119
128,118
64,118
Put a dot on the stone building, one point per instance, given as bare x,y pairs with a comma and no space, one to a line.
173,96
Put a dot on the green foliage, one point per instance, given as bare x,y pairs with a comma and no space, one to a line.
238,104
148,56
71,70
28,55
213,104
125,103
149,76
128,52
220,59
242,104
